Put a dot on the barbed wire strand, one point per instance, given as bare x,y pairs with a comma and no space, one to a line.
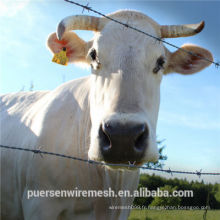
217,64
130,165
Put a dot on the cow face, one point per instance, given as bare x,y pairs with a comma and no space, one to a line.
127,68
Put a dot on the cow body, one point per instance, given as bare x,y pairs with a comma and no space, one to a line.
23,120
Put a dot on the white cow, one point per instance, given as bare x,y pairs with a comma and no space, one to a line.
109,116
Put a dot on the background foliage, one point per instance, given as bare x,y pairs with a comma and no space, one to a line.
200,191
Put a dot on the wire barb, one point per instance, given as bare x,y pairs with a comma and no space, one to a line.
86,7
140,31
38,151
217,64
170,171
198,173
131,165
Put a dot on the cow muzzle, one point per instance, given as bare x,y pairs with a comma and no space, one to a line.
123,143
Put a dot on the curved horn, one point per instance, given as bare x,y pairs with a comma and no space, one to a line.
171,31
79,22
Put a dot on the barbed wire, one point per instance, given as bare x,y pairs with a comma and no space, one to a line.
217,64
130,165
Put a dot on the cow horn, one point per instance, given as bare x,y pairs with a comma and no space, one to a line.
171,31
79,22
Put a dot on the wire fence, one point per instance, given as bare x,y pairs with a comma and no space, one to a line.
129,165
86,7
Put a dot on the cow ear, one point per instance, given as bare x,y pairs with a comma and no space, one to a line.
76,48
185,63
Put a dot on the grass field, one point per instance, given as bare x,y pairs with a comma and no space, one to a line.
173,215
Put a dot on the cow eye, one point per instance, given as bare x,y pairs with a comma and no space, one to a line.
159,64
93,54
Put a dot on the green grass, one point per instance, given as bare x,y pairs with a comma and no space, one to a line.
173,215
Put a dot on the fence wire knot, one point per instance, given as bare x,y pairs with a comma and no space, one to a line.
37,151
131,164
126,25
198,173
170,172
217,64
86,7
90,161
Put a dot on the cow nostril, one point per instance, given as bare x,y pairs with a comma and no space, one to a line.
122,142
140,141
104,139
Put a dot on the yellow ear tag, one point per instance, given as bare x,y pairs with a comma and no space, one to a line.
61,57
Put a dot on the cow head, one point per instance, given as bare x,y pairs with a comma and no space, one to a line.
127,68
